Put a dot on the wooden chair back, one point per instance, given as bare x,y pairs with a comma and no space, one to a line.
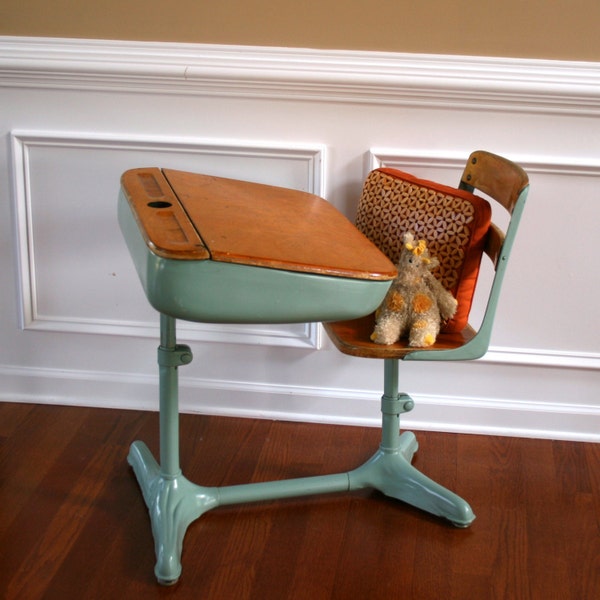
508,184
500,179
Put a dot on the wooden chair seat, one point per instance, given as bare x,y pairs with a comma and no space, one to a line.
353,337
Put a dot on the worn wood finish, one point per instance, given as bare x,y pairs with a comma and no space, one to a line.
163,222
495,176
250,224
73,523
493,243
353,337
275,227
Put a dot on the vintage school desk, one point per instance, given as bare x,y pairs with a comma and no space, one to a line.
217,250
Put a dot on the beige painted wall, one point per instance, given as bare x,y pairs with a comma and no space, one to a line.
554,29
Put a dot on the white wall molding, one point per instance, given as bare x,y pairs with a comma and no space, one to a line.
323,75
310,158
402,158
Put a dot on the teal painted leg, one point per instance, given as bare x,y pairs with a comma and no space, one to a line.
390,471
174,502
393,475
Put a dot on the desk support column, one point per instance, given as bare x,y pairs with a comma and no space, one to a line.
170,356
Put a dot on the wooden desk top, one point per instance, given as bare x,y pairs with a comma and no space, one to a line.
187,216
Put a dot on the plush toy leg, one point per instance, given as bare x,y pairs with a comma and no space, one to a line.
388,328
423,334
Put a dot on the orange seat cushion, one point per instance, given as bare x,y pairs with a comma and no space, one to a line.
453,222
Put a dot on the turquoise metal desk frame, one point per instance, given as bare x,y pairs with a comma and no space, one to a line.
185,274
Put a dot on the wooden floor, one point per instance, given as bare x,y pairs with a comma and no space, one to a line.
73,523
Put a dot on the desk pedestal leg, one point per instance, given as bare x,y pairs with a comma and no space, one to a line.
174,504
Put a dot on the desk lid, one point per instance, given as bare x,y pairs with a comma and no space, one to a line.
187,216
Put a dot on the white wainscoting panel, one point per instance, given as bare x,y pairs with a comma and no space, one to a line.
76,327
63,220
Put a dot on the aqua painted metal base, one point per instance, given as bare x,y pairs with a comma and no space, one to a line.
174,502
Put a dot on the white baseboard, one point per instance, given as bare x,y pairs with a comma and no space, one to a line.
518,418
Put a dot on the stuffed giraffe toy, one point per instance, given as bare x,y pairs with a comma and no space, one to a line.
416,302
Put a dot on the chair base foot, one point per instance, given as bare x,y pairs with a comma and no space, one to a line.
390,471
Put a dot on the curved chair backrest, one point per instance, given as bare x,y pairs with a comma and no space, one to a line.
508,184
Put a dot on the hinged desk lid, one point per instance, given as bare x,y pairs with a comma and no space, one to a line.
188,216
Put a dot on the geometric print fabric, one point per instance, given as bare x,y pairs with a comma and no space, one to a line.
393,203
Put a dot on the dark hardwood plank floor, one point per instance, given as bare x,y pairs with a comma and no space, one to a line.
73,523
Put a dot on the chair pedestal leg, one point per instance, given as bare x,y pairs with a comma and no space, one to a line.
389,469
392,474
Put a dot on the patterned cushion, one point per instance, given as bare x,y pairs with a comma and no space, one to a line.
453,222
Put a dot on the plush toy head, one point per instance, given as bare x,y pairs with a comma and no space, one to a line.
416,302
415,258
